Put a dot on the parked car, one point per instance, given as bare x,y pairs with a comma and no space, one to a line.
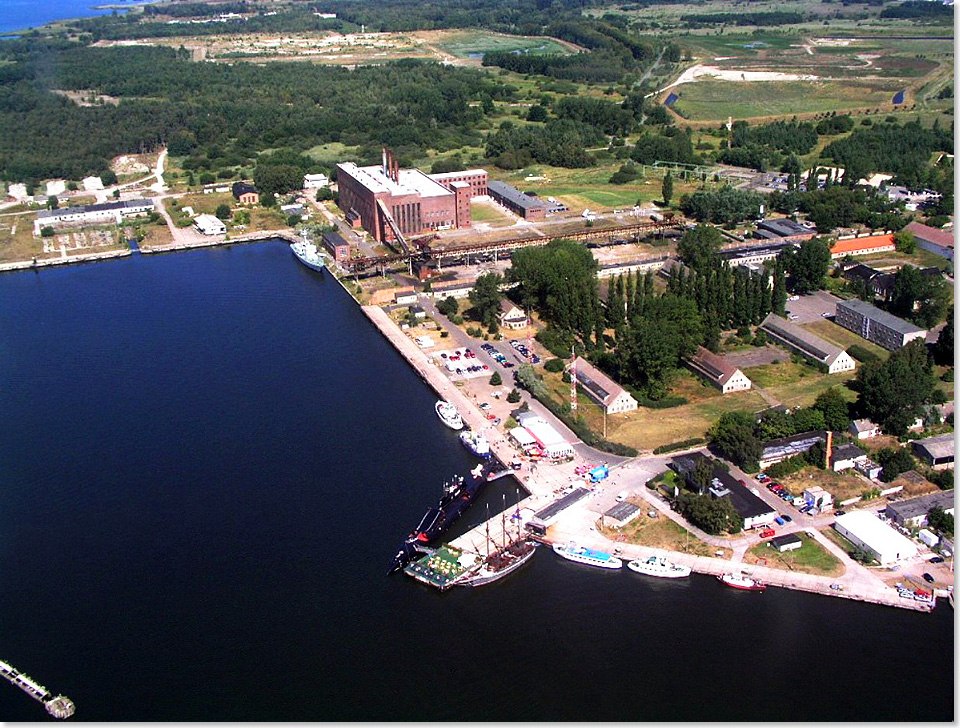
767,533
936,560
928,578
779,521
839,512
785,517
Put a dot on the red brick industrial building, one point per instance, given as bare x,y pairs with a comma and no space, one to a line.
385,198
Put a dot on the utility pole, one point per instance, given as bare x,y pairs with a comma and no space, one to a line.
573,379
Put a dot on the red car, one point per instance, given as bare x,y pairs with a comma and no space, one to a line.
767,533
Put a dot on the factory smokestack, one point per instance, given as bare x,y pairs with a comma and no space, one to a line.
384,165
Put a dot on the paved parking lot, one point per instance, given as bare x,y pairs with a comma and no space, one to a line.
811,308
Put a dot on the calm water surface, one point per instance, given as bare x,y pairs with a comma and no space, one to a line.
23,14
207,461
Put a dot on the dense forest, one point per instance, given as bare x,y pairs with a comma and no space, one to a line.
200,110
903,151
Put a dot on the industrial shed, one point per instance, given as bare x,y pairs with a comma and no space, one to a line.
885,544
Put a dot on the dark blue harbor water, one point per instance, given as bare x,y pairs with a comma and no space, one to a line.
207,461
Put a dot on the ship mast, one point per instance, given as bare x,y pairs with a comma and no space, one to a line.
503,520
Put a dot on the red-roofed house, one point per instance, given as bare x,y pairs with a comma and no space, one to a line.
716,370
929,238
863,245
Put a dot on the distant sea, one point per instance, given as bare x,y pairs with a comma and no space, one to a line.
24,14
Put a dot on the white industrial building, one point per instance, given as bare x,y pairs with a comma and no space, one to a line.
106,213
315,181
882,542
551,442
209,225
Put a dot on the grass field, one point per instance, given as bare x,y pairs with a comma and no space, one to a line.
842,485
797,385
810,558
661,533
332,152
841,337
716,100
488,213
648,428
472,43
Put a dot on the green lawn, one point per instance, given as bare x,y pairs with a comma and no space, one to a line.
464,44
810,558
841,337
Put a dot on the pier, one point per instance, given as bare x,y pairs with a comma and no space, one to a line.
59,706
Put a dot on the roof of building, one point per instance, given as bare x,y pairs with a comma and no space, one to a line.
921,505
865,242
103,207
713,366
208,221
773,249
863,425
880,316
334,239
243,188
808,342
506,306
452,175
744,502
784,540
860,272
784,227
622,511
938,446
875,533
518,198
450,285
943,238
786,447
410,181
848,451
596,382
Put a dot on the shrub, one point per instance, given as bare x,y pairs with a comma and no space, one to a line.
444,334
662,403
514,396
496,380
46,232
681,445
553,365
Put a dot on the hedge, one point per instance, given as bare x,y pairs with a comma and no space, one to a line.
681,445
862,354
664,403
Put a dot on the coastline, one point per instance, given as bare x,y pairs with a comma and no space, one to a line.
541,491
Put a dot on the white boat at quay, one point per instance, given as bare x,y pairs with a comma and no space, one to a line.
658,566
309,255
740,581
583,555
448,415
475,443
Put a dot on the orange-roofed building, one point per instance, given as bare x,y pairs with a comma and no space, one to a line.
863,245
